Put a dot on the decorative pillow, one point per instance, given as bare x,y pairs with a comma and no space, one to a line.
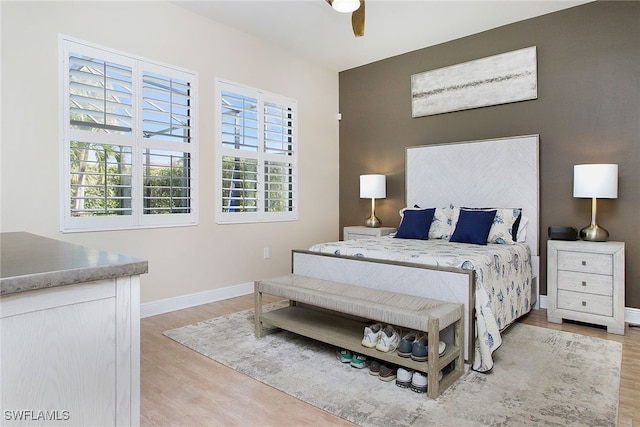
401,212
444,221
415,224
516,226
505,224
522,229
473,226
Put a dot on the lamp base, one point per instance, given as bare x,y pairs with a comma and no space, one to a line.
373,222
594,233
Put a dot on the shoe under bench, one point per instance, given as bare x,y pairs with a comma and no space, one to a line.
336,313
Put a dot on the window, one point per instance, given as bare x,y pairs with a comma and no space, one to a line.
129,149
257,154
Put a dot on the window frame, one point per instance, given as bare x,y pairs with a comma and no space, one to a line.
139,65
260,215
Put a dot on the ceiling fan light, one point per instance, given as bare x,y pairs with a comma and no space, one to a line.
345,6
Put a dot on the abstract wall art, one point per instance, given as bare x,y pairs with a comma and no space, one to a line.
499,79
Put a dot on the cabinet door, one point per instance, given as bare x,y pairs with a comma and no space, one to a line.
59,364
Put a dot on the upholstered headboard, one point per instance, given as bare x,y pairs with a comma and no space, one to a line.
489,173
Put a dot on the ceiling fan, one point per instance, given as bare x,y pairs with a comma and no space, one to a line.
357,15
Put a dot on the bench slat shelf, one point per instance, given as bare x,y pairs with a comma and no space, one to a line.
341,332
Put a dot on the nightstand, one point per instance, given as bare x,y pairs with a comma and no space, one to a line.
361,232
585,282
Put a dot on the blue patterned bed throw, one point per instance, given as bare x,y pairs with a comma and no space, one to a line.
503,278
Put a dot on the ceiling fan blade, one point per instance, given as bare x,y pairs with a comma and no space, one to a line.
357,20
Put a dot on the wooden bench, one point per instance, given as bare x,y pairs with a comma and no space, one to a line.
336,313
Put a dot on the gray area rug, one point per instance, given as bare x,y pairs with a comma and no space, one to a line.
540,377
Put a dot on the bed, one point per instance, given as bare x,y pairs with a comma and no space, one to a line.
455,180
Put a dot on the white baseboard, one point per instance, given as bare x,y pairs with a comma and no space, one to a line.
154,308
543,302
631,315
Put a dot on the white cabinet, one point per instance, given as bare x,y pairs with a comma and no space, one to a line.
69,334
585,282
362,232
71,354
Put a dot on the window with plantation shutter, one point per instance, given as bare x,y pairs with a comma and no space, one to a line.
257,154
129,146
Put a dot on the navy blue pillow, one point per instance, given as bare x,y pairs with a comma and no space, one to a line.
415,224
473,227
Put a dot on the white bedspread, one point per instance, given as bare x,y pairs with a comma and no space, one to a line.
503,278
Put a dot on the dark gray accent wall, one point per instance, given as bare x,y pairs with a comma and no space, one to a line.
587,111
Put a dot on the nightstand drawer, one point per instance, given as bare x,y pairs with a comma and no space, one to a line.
585,262
356,232
585,282
585,303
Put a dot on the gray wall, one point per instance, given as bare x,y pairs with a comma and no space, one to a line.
587,111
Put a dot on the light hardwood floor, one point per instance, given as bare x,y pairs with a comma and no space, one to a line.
180,387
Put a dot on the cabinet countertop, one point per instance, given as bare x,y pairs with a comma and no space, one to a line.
31,262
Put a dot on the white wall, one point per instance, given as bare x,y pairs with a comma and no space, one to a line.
184,260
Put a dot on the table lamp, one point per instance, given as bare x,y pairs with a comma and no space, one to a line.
373,186
595,181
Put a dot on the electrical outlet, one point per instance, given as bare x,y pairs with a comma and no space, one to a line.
265,252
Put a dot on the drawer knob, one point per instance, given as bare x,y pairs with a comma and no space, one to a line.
584,262
584,303
584,283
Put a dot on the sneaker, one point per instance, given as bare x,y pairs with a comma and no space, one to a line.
403,377
372,335
374,367
421,349
343,355
388,373
358,361
442,347
406,344
419,381
389,339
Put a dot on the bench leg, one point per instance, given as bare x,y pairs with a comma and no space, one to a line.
433,385
459,342
259,330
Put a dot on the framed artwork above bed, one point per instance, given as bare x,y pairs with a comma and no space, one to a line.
494,80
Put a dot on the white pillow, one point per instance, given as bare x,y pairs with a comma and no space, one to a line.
502,227
444,222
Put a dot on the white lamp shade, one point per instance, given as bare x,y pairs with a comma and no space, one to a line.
598,180
345,6
373,186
